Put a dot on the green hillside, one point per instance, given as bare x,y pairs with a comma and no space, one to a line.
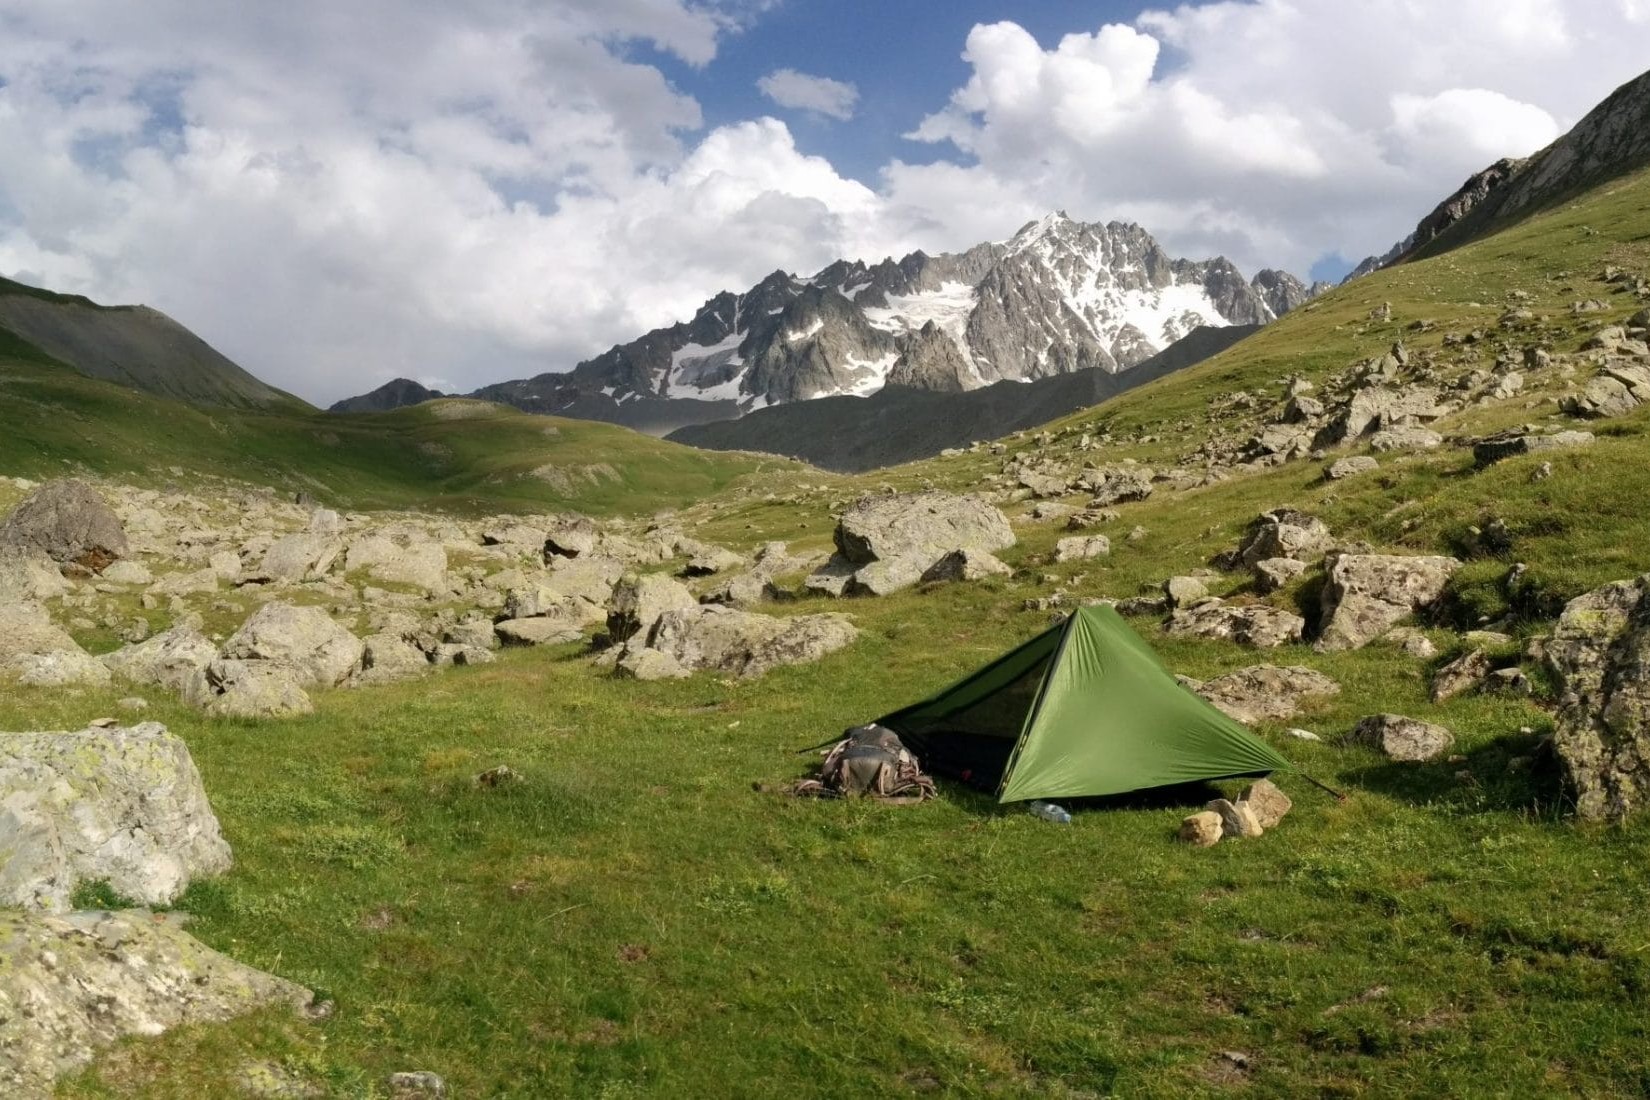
457,455
647,915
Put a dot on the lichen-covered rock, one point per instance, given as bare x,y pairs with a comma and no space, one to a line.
1600,653
65,668
74,984
68,521
123,805
907,534
1267,692
882,578
170,659
740,643
1401,738
1256,625
1184,591
1367,594
295,557
1272,574
319,652
390,659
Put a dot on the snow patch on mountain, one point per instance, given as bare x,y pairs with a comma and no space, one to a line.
706,373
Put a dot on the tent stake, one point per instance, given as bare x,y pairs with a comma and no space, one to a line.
1339,797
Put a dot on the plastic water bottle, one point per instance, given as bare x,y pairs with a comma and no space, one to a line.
1048,811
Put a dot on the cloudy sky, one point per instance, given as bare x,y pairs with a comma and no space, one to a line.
464,191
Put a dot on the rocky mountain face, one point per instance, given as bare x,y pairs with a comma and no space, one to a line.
395,394
131,346
1612,140
902,423
1060,296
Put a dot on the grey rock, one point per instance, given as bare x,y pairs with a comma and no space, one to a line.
60,669
69,522
831,579
1081,548
27,629
712,560
1405,438
1284,533
1254,625
411,1084
1268,803
1600,654
650,664
1272,574
535,631
1350,466
295,557
1411,641
27,575
572,536
127,572
919,527
122,805
170,659
1511,444
1461,675
739,643
1367,594
319,652
248,689
189,583
1401,738
1267,692
389,659
638,601
91,978
476,633
1120,486
966,565
1182,591
883,578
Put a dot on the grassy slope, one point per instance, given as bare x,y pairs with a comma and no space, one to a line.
58,421
636,920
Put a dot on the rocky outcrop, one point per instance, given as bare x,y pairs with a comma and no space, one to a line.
1600,655
888,542
123,806
1284,533
1264,693
317,651
1617,390
638,602
74,984
69,522
1367,594
739,643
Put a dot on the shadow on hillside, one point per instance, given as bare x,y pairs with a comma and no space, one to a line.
1516,773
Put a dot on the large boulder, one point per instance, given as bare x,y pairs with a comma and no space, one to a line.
1284,533
586,577
722,639
1267,692
68,521
1367,594
390,659
65,668
419,564
1256,625
77,983
966,565
248,689
1600,654
170,659
1401,738
123,806
909,533
305,639
638,602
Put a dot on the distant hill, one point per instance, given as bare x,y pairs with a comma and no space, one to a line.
132,346
395,394
900,424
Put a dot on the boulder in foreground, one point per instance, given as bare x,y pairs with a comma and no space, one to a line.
70,522
121,805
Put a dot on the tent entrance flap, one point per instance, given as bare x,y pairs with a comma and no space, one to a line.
1083,709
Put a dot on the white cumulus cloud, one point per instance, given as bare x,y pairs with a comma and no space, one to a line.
817,94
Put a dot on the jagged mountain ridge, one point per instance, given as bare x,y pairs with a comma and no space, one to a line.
1060,296
394,394
1611,140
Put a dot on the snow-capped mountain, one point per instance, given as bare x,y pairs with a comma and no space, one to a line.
1059,296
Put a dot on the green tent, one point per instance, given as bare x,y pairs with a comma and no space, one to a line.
1084,708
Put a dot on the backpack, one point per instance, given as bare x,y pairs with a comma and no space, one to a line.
870,761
